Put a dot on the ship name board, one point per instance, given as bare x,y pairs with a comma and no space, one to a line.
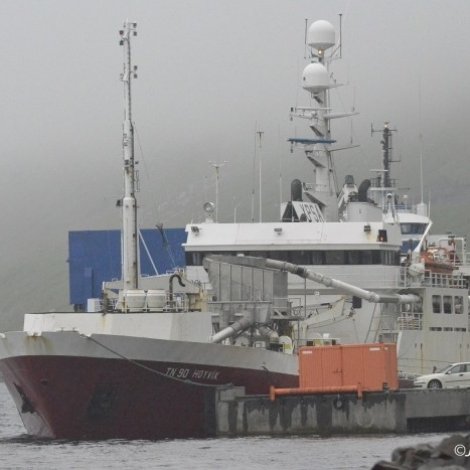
310,210
192,374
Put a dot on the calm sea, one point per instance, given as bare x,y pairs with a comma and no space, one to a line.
18,451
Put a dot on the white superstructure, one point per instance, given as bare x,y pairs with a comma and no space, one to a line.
358,235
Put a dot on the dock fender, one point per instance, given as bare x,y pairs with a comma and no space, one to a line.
338,403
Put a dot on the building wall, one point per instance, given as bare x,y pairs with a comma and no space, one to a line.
94,256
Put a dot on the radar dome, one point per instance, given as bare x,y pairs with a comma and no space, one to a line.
321,35
209,207
315,78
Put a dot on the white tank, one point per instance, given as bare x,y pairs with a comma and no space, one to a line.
134,299
315,78
156,300
286,343
321,35
93,305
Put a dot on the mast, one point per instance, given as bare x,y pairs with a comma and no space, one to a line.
317,80
385,184
129,204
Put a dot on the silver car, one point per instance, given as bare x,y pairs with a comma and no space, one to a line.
454,376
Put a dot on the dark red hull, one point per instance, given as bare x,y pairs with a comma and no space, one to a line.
96,398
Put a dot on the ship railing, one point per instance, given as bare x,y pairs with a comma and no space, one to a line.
279,308
175,303
462,259
261,308
407,321
307,311
432,279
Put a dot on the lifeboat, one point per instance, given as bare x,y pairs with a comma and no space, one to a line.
438,260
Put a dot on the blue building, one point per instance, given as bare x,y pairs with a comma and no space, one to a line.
95,257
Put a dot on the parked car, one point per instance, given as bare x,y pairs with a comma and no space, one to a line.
454,376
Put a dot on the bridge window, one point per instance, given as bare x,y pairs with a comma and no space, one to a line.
310,257
408,229
334,257
436,304
447,304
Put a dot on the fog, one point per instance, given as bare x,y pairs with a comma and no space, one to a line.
211,73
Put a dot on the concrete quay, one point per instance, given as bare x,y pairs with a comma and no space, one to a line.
403,411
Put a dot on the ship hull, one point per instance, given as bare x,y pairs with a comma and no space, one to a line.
67,386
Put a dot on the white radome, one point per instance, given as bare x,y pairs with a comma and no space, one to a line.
321,35
315,78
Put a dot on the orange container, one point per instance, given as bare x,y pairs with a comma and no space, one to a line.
372,366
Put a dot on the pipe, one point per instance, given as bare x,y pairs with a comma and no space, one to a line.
277,392
269,332
234,328
180,281
343,286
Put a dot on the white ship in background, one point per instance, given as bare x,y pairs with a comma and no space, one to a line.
356,235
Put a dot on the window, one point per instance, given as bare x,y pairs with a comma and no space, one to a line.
193,258
447,304
376,256
367,257
458,304
309,257
334,257
277,255
458,369
417,229
436,304
317,257
353,257
382,236
300,257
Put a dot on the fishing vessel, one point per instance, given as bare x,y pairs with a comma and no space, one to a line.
146,359
355,234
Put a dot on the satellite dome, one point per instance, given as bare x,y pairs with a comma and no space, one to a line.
315,78
209,207
321,35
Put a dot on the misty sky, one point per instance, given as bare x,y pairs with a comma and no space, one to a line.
210,73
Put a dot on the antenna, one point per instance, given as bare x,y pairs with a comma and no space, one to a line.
386,151
280,165
259,134
305,39
217,167
421,172
340,35
253,182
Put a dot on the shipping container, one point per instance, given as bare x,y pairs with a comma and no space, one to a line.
370,367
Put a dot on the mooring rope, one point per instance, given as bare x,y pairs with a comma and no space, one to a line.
149,369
